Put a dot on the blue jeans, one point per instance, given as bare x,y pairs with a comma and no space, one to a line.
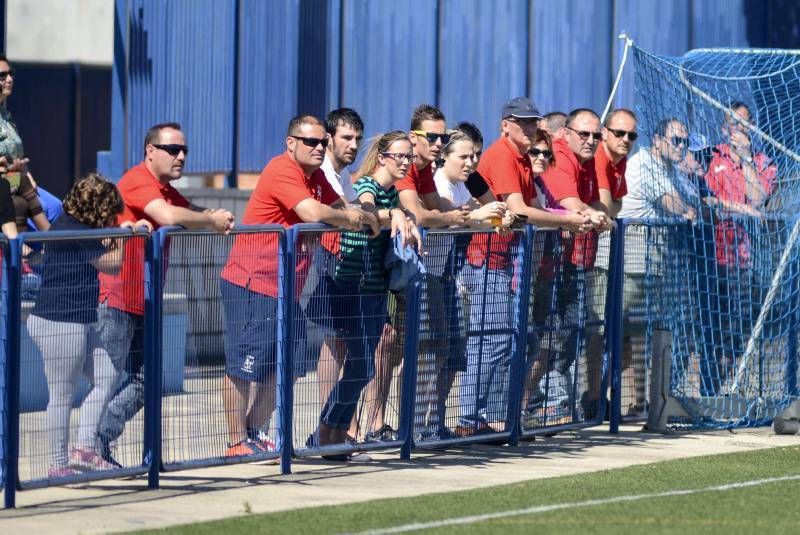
484,387
360,319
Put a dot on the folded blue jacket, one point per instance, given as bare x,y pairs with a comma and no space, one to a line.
403,264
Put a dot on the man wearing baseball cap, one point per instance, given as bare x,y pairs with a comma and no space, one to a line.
507,170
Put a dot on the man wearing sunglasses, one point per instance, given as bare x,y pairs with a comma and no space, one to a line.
418,190
619,136
571,184
292,189
148,195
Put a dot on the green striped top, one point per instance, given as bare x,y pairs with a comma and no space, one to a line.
361,258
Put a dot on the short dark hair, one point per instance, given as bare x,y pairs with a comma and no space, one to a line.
425,112
555,120
345,117
663,124
626,111
299,120
736,104
471,131
153,134
579,111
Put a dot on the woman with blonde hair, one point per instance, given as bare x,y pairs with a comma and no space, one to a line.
62,322
360,283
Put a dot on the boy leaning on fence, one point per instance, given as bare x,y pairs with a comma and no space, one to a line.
147,194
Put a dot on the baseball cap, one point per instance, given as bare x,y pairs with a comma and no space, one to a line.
522,108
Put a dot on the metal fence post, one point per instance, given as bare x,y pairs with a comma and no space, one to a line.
12,372
285,384
153,339
516,381
613,327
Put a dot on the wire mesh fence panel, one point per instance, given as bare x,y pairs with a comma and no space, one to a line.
82,298
565,377
468,336
349,356
219,403
442,345
643,285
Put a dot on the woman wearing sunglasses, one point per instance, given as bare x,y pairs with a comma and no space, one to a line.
23,191
360,281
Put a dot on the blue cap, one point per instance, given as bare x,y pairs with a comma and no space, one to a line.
522,108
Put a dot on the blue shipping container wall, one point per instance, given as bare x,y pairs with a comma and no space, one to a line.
234,71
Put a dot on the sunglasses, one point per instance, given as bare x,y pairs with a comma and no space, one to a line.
173,149
400,157
433,136
622,133
312,141
678,140
6,74
535,153
584,135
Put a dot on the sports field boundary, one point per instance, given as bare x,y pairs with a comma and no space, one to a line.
245,490
571,505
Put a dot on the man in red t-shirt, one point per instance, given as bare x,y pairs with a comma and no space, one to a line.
148,197
611,158
571,184
291,189
507,169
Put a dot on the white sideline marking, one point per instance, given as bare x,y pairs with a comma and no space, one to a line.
569,505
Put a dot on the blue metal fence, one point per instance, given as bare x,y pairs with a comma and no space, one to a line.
527,310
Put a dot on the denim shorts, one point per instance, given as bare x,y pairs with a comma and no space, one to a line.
252,331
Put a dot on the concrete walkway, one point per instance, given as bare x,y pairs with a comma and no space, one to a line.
213,493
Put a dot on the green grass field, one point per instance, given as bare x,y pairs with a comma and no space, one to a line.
765,507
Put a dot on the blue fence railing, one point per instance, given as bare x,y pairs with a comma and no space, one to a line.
503,337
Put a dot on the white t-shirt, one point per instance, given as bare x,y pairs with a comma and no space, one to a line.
340,182
457,193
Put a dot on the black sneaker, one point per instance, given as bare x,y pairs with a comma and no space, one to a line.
384,434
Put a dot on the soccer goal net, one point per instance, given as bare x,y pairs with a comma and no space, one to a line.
721,162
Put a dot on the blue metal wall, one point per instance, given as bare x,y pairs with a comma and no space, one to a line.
384,57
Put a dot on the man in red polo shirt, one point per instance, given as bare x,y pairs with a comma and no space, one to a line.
506,168
619,136
291,189
148,195
571,184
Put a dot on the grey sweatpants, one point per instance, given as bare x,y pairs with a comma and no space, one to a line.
69,350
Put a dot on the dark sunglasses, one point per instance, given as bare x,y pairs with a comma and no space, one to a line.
535,153
622,133
312,141
173,149
433,136
6,74
678,140
584,135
